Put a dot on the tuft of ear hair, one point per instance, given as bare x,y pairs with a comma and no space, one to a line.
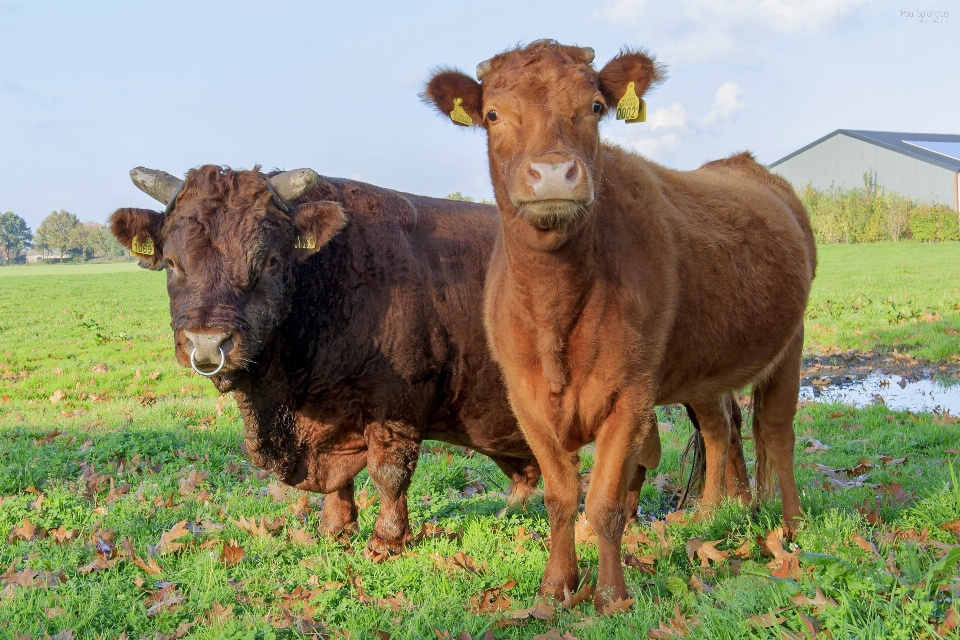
446,86
630,65
316,223
138,230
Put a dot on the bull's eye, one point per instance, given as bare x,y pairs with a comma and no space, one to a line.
493,116
597,106
272,262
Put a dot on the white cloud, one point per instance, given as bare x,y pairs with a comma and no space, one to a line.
708,29
673,124
726,102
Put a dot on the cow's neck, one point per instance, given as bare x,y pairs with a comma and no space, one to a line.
550,289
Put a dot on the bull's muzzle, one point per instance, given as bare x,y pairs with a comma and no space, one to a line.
193,363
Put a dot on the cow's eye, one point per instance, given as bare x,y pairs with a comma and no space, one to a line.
597,106
272,262
493,116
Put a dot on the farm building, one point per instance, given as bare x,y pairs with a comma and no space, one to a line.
921,166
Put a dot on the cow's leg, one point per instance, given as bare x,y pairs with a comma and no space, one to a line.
714,423
737,481
561,496
339,515
632,501
392,451
774,408
628,438
524,475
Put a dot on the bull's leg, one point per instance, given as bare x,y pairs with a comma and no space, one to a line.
339,515
524,475
632,501
714,424
561,496
737,481
627,439
392,450
774,408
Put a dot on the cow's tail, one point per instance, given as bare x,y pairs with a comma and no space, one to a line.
765,478
695,456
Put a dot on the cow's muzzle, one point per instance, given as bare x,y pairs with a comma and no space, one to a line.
208,350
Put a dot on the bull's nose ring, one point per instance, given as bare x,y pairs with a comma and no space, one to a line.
193,363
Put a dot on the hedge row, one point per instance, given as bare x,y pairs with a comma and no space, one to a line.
869,214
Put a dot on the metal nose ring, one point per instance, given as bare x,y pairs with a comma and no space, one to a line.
193,363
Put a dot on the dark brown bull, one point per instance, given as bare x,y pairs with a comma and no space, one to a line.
344,317
617,284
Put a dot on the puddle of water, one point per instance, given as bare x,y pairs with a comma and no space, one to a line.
892,390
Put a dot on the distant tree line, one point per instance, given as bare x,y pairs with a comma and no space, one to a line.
60,234
870,214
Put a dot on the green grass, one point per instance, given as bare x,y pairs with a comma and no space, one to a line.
68,269
69,430
885,296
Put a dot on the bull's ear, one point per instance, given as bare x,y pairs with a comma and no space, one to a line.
455,95
628,66
316,223
139,231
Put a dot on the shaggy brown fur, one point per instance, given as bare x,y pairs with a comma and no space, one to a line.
349,354
640,286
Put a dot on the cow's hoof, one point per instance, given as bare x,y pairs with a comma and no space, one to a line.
556,590
379,549
342,532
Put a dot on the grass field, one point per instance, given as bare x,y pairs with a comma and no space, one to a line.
128,507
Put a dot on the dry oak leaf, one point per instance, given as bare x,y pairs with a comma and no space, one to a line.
583,532
26,530
218,614
278,491
492,599
706,551
259,527
232,553
819,602
951,621
767,620
676,627
815,446
301,506
192,482
618,606
100,563
167,597
168,539
301,536
396,602
541,611
30,578
149,565
865,544
583,594
785,564
365,499
644,563
952,527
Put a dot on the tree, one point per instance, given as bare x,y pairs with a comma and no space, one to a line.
103,242
56,229
15,235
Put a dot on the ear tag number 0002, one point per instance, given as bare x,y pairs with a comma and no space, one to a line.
144,248
631,107
458,115
305,243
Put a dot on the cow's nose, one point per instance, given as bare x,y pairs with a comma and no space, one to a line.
553,179
207,349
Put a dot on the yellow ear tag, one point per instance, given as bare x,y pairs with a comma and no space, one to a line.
144,248
304,243
458,115
629,107
642,116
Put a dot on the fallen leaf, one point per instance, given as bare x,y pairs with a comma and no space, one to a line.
168,539
819,602
57,396
554,634
232,553
541,611
218,614
706,551
766,620
260,528
364,499
815,446
677,627
149,565
397,602
166,598
583,532
865,544
192,482
300,536
583,594
891,462
492,599
278,491
785,564
951,621
26,530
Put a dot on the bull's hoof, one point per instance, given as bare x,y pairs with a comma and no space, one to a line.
379,549
555,590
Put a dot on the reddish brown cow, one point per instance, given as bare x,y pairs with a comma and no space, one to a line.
617,284
345,319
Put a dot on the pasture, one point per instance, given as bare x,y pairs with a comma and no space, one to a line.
128,506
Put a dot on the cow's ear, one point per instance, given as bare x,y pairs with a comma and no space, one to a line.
316,223
455,95
628,66
139,231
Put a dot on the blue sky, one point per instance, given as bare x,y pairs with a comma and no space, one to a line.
89,90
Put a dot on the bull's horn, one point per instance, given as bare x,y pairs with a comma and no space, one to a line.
588,54
290,185
483,68
159,185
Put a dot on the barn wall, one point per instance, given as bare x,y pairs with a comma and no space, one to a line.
842,160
